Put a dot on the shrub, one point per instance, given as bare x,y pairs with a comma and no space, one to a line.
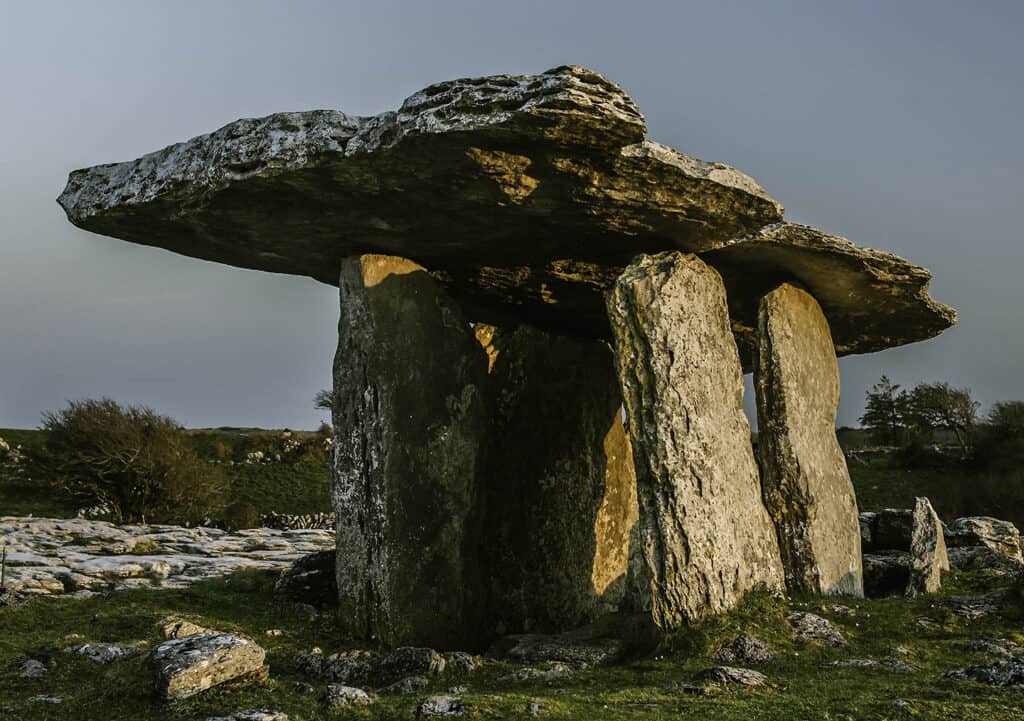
138,464
241,514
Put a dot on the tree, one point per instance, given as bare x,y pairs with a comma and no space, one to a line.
133,462
324,400
885,411
1007,418
939,405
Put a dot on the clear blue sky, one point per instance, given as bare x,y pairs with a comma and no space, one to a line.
895,124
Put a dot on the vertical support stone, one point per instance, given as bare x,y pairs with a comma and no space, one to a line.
806,485
928,557
409,421
703,537
560,487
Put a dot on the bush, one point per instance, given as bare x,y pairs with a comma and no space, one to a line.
137,464
241,514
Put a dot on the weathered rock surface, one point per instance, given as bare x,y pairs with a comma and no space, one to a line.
410,660
873,300
172,627
253,715
526,195
560,486
573,649
999,536
310,579
927,550
868,663
407,685
32,668
743,649
75,555
102,653
733,676
703,538
547,673
805,484
339,696
409,429
183,667
1001,673
347,667
811,627
440,706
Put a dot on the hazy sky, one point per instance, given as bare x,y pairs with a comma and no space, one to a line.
895,124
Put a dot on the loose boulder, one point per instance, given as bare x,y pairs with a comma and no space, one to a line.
184,667
999,537
703,538
409,431
805,482
927,550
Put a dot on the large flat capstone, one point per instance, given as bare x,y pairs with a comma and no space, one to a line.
703,538
525,196
806,485
409,430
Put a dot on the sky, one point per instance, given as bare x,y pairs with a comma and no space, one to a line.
896,124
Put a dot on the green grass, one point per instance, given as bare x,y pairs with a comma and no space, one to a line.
799,688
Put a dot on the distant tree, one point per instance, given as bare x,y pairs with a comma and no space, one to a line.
885,411
939,405
1006,418
324,400
131,461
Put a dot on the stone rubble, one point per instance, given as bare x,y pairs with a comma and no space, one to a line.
440,706
55,556
810,627
340,696
744,649
733,676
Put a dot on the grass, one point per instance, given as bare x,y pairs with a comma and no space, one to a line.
642,688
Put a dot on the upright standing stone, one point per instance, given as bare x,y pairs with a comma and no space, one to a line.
928,558
704,537
807,487
560,485
408,422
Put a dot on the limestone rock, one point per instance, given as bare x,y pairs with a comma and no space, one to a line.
703,538
403,686
572,649
999,536
462,662
32,668
171,627
873,300
560,486
346,667
339,696
981,558
410,660
186,666
811,627
440,706
805,483
102,653
409,424
253,715
744,649
1001,673
310,579
927,550
868,663
547,673
731,675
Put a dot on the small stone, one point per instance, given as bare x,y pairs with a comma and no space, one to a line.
101,652
926,623
744,649
1001,673
32,668
441,706
839,609
339,696
567,648
902,703
1002,648
186,666
407,685
810,627
46,698
253,715
273,632
534,708
868,663
302,687
731,675
411,660
552,672
456,690
179,628
462,661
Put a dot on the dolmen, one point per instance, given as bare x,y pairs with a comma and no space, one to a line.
545,319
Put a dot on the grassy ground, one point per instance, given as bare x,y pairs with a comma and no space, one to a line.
639,689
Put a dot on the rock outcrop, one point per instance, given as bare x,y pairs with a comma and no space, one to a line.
409,429
184,667
560,489
927,550
805,483
703,538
